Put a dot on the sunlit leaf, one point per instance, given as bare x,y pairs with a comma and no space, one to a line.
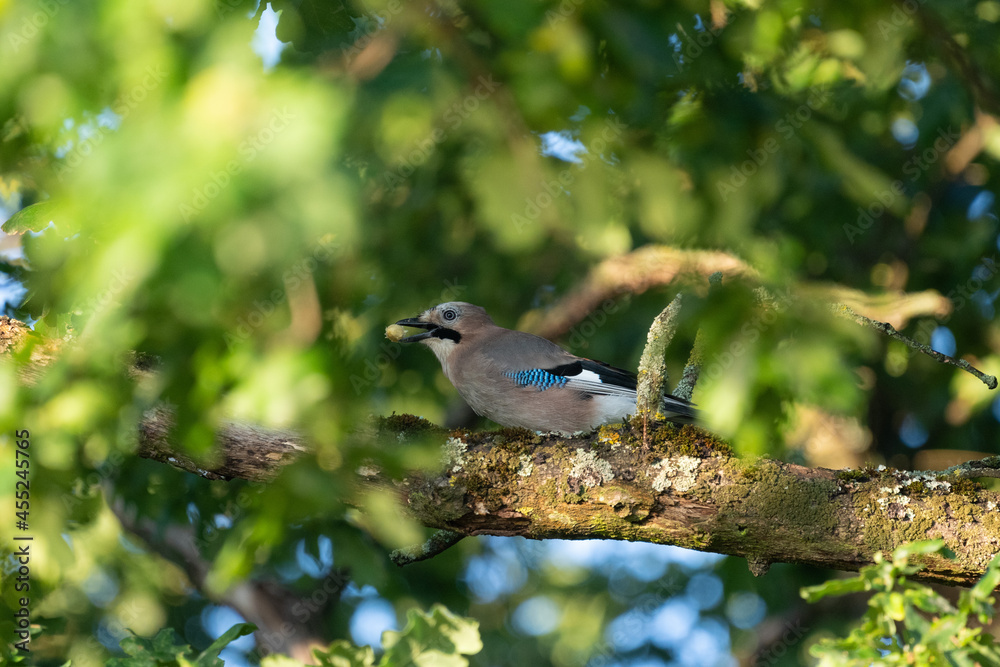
33,218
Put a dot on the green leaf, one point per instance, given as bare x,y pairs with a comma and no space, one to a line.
896,607
32,218
164,649
437,638
989,582
227,638
853,584
907,622
133,645
341,654
904,551
166,645
987,652
278,660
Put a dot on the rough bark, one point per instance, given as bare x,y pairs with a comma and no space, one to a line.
654,266
242,451
684,489
653,365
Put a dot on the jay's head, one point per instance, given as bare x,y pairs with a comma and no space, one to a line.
446,325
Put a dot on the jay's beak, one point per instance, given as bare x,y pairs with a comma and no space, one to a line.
417,324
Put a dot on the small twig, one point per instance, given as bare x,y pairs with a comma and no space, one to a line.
986,467
890,331
653,364
976,81
689,378
438,542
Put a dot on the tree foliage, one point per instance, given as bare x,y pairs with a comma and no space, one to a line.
229,238
435,638
908,623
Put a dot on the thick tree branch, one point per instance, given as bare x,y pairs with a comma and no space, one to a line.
275,611
654,266
634,273
242,452
684,489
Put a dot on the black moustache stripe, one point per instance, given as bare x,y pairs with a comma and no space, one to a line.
451,334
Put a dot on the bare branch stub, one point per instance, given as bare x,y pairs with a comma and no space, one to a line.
438,542
652,364
887,329
689,377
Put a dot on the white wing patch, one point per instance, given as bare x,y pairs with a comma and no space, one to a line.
613,408
590,382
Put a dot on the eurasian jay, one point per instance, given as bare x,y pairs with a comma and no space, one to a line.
519,379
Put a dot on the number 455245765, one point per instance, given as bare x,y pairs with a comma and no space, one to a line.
22,489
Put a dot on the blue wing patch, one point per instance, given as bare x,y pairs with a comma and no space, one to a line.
536,377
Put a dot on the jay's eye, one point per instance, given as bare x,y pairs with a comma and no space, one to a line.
520,380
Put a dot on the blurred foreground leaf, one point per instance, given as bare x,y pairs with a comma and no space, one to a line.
32,218
908,623
167,650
